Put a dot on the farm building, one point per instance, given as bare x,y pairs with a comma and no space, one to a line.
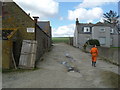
106,34
45,26
18,26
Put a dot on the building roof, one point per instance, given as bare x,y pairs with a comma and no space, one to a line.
41,29
97,24
86,24
79,26
43,24
27,16
103,24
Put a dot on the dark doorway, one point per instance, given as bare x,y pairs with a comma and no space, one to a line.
16,51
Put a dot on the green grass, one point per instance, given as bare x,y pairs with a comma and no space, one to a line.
115,47
60,40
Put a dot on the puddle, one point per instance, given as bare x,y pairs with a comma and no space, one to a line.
74,74
70,57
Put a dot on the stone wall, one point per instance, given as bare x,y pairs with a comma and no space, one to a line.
83,38
115,41
97,34
15,18
43,42
110,54
6,54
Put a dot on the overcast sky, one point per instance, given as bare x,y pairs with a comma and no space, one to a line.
62,15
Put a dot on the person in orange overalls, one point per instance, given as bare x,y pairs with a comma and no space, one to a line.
94,53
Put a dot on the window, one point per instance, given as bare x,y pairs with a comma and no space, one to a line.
6,33
86,29
112,31
102,30
102,40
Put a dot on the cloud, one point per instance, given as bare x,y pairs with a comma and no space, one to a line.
63,31
101,19
61,18
89,10
89,21
85,14
43,9
94,3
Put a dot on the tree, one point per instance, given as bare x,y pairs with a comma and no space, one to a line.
111,17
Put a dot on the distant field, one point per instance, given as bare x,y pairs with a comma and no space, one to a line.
60,39
115,47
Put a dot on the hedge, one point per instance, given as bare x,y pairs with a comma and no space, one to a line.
93,42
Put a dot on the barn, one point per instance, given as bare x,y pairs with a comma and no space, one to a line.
17,29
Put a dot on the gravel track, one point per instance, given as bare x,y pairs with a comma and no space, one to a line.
53,74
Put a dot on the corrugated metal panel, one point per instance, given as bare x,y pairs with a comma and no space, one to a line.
28,54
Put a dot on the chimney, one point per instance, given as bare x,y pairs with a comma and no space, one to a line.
77,22
35,18
28,14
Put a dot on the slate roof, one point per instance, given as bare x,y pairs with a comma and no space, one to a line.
91,25
103,24
81,25
43,24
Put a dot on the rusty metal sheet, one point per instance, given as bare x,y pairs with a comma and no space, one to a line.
28,54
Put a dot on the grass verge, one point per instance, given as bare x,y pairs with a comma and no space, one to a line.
18,70
107,60
60,40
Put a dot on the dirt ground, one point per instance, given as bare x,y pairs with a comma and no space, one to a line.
53,74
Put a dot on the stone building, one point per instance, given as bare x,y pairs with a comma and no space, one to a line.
105,33
45,26
17,26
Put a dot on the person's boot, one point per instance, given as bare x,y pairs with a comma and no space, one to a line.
94,64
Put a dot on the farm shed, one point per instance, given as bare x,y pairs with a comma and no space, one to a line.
17,26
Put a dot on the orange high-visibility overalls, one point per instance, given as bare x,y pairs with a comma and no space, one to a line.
94,53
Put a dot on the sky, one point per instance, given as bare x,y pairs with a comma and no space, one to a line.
63,13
